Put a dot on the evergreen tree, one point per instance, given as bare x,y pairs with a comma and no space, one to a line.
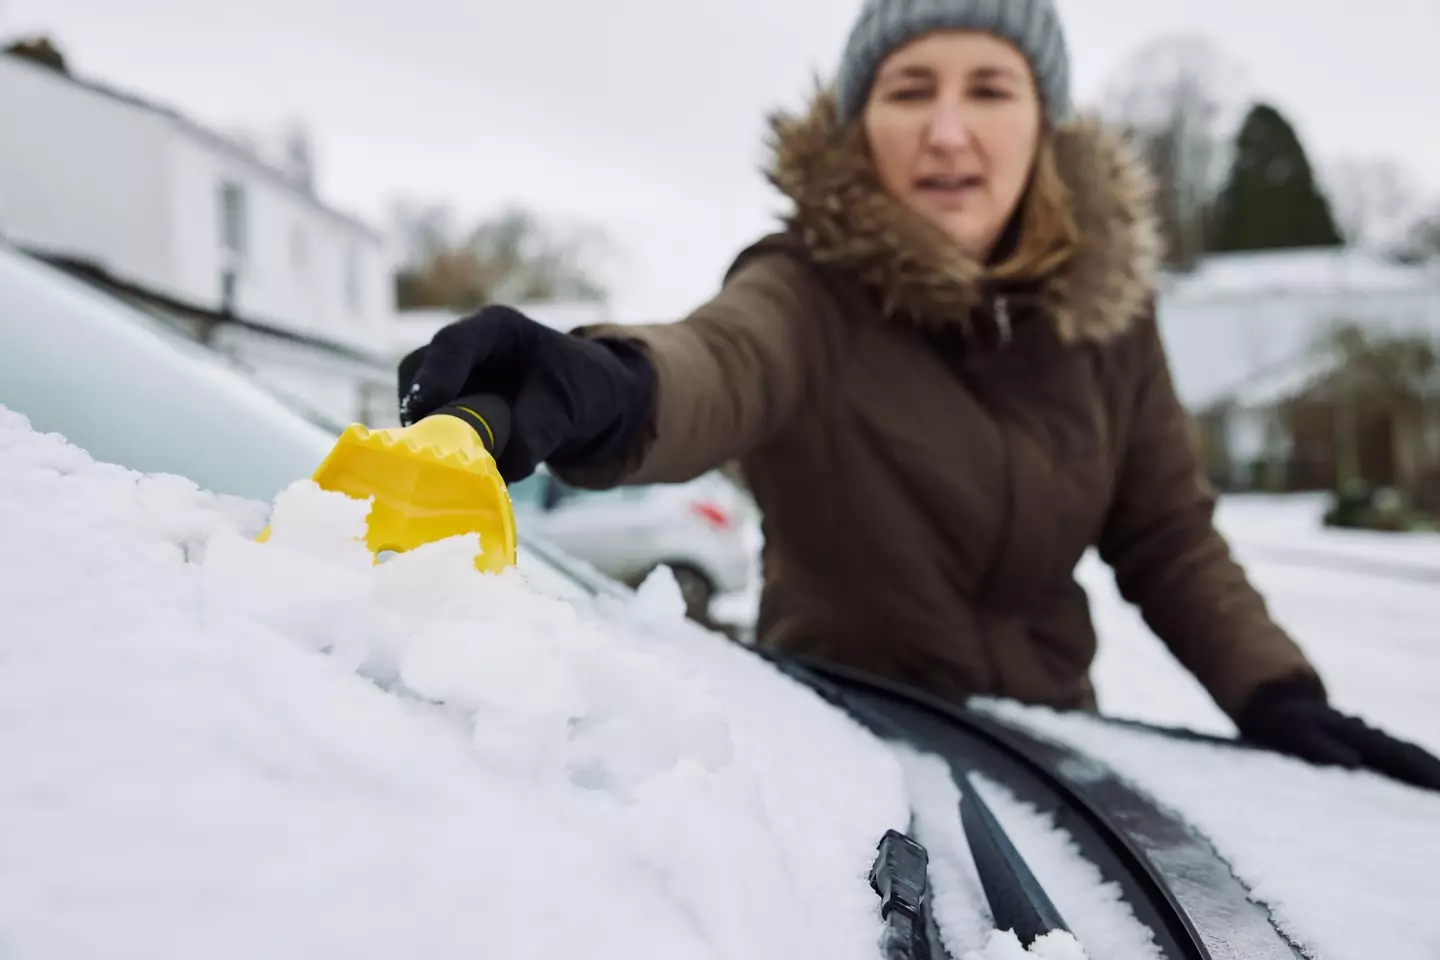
1271,200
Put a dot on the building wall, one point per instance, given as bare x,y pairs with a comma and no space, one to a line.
296,264
83,174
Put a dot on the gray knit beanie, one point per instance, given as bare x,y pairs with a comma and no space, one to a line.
884,25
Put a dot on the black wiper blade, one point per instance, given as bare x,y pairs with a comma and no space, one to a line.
1171,878
900,876
1017,900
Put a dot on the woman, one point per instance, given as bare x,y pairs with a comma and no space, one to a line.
944,383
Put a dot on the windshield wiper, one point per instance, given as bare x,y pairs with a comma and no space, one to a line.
900,876
1017,900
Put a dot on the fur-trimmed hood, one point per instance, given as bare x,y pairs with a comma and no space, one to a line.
845,218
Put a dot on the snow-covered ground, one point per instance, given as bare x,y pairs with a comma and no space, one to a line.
224,749
1374,637
1289,528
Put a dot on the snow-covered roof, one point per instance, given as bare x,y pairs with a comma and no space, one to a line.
1241,316
1291,272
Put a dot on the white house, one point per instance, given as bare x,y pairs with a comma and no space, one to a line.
94,176
1247,331
1239,316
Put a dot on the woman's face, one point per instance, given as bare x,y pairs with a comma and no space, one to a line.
954,123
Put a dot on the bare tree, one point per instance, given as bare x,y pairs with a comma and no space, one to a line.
1174,98
1369,197
1421,243
512,257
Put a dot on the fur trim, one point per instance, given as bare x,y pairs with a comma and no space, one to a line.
845,218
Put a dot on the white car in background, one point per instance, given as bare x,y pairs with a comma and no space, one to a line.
705,531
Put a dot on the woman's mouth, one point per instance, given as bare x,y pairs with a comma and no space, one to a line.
949,190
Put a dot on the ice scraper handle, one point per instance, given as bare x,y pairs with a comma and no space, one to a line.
488,414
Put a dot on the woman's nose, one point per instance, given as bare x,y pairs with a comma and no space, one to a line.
949,128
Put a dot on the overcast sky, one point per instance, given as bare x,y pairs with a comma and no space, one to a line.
645,117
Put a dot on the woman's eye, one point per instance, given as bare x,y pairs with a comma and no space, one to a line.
991,93
910,94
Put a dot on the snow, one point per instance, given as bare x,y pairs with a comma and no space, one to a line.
1003,945
220,748
1290,528
1371,635
1090,907
1309,270
1242,317
1339,857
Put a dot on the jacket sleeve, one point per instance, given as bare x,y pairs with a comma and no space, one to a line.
728,377
1170,560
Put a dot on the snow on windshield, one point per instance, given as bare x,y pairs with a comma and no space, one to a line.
215,747
221,748
1344,860
186,774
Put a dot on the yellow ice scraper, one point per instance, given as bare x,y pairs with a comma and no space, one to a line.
433,479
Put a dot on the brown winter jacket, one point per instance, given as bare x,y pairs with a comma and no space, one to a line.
933,455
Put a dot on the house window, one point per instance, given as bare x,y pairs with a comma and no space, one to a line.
234,228
227,291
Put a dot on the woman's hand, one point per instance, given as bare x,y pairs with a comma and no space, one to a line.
573,401
1292,717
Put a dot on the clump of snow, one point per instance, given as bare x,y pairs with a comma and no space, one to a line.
1004,945
659,599
215,747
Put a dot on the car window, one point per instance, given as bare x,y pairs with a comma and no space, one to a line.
118,383
549,579
68,351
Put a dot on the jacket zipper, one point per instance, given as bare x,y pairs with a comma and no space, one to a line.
1002,319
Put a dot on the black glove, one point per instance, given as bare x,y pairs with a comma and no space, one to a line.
574,401
1291,716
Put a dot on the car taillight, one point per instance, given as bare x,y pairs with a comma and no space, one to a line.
711,513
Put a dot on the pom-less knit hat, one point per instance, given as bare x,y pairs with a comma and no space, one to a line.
884,25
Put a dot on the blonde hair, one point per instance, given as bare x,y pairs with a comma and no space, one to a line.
1048,233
